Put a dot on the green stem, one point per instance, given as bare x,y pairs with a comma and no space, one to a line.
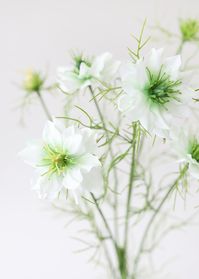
106,252
104,219
114,170
118,251
44,106
180,48
129,195
99,236
153,217
105,222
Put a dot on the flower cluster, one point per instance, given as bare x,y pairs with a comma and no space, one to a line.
106,161
155,93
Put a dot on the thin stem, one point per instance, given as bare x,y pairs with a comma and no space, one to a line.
106,252
114,170
129,194
153,217
98,108
180,48
117,249
44,106
104,219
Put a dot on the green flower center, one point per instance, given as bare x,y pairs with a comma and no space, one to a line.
194,149
161,89
57,161
78,60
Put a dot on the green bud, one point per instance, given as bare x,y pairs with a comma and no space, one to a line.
189,29
33,81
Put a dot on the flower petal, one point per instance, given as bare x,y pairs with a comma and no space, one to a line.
93,181
154,61
32,154
172,66
125,102
48,187
51,135
88,161
72,179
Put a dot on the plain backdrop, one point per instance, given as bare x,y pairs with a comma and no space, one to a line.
34,244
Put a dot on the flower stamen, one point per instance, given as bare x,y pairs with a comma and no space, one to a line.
56,161
194,149
161,89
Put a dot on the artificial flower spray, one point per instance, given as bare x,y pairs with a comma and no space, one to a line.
110,167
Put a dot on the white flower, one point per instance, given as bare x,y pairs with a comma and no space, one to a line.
186,145
64,160
104,68
155,92
85,73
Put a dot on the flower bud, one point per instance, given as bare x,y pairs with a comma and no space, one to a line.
189,29
33,81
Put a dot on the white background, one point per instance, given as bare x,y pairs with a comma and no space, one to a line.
39,33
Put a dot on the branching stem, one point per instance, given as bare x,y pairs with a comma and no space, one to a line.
153,218
112,156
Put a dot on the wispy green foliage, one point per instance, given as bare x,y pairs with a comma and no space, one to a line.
141,43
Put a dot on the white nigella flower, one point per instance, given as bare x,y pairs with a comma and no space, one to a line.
64,160
85,72
187,148
154,92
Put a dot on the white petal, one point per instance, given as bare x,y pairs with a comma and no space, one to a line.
49,188
51,135
194,170
93,181
154,61
76,196
104,67
69,131
98,63
125,102
68,80
129,78
110,71
84,71
134,79
32,154
59,124
89,141
172,66
72,144
72,179
88,161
